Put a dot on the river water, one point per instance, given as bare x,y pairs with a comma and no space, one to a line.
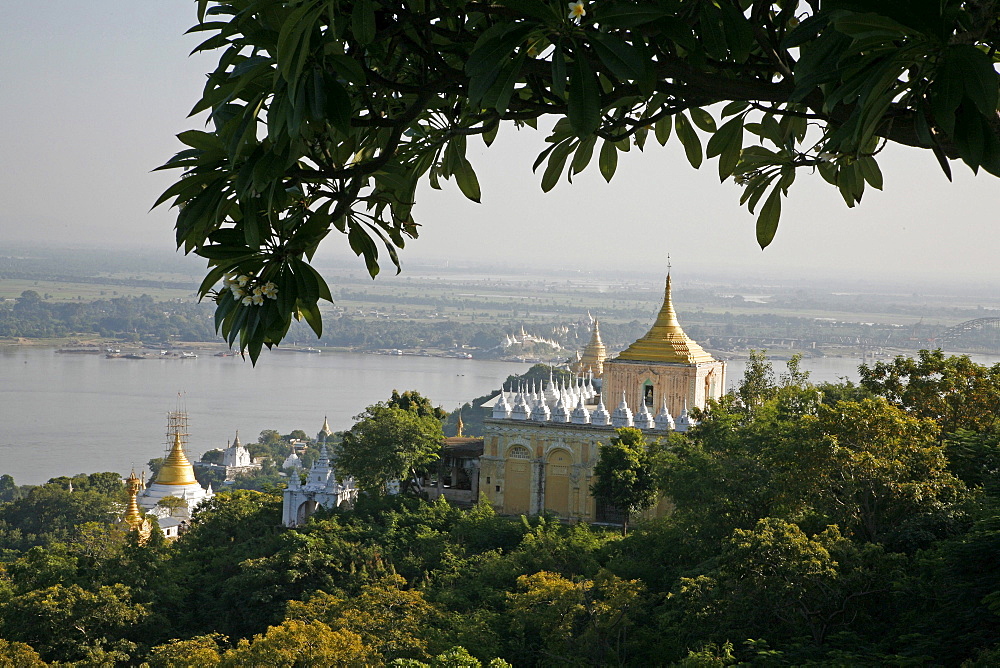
63,414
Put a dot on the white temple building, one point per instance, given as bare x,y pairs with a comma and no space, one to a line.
236,461
321,489
292,461
174,479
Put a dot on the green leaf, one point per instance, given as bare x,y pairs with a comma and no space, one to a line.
293,41
583,154
767,221
621,58
946,94
467,181
738,32
499,95
755,190
608,160
347,69
662,129
730,132
310,311
212,278
689,138
729,159
491,134
871,172
806,30
828,170
969,136
734,108
860,26
702,119
493,46
710,29
584,98
978,76
559,71
363,246
204,141
322,289
288,290
727,143
770,129
628,14
851,183
557,161
678,32
339,108
363,21
942,159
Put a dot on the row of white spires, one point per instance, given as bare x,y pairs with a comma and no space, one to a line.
525,338
567,403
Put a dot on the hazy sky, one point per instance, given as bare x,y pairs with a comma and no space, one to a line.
93,93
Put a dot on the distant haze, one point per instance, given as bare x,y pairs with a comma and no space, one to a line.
93,94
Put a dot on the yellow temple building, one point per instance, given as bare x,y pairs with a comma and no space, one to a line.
541,444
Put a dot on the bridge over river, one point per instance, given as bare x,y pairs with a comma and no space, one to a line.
979,335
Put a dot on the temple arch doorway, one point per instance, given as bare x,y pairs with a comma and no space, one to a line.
307,508
557,487
517,495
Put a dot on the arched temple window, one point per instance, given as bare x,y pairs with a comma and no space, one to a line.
518,452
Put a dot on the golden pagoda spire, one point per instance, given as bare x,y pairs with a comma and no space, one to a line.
460,426
666,340
133,516
594,353
176,469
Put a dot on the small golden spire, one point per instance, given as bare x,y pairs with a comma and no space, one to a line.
595,352
134,518
176,469
460,426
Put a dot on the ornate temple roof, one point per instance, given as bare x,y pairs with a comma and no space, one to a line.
176,469
666,341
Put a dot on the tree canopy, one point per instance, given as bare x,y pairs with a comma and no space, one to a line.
624,474
813,525
390,443
326,115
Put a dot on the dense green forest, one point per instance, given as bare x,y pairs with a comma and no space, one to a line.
125,318
813,525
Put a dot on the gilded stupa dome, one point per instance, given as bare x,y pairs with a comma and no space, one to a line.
176,469
666,341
